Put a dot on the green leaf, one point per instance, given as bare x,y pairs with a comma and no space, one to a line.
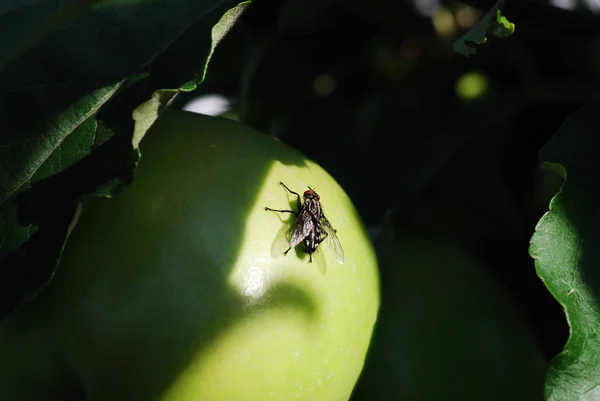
565,249
503,27
492,23
67,117
221,28
73,149
147,113
28,160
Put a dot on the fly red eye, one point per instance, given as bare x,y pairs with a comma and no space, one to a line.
311,193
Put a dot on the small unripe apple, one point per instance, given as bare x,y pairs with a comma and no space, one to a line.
448,330
169,291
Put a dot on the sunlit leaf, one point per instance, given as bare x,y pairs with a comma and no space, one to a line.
493,23
567,256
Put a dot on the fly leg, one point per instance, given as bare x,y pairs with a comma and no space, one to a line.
295,193
281,211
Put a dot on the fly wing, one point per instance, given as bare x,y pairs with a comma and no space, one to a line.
319,260
333,241
302,227
281,243
289,237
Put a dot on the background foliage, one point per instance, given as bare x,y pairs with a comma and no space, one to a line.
420,136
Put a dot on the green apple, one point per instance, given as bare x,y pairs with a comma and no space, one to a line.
170,291
448,331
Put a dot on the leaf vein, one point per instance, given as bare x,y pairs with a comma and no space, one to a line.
42,160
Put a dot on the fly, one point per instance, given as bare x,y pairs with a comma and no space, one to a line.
311,227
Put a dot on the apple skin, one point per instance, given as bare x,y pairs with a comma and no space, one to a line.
169,291
448,330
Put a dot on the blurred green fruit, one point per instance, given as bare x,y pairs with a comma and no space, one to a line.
471,86
448,330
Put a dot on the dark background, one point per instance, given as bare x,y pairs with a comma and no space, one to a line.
395,134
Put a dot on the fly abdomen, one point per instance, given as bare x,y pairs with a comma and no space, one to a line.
310,242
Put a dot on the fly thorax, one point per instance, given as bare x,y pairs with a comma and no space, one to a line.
314,207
